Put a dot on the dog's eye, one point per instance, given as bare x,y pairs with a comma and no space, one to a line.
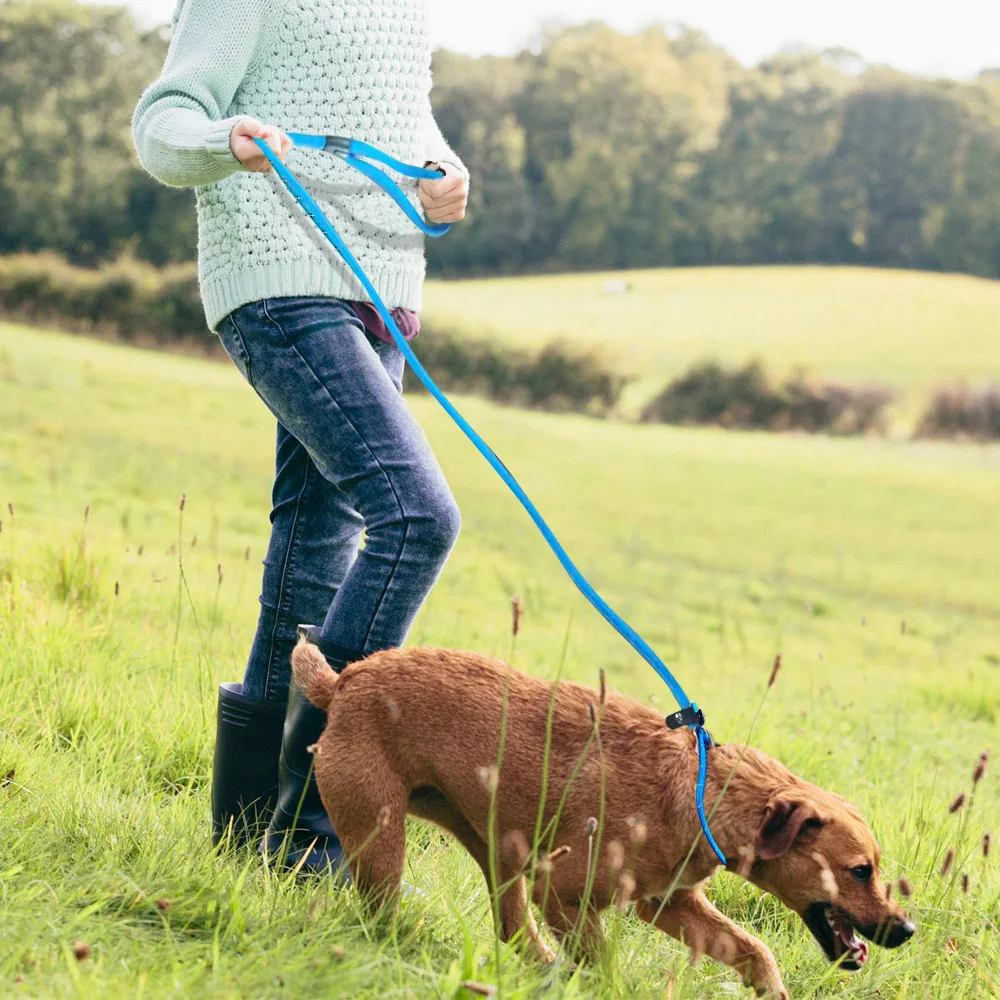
863,873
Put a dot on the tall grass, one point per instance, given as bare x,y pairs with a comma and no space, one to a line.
722,550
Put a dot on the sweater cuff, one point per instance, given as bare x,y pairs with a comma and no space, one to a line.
217,138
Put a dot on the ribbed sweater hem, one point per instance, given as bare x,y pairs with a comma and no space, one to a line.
399,289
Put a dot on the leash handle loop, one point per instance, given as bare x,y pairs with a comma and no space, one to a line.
352,151
622,627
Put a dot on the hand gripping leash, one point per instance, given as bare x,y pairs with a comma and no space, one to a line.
357,154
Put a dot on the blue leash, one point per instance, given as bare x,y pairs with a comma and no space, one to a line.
357,154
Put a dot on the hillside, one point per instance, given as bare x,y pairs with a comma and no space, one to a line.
908,330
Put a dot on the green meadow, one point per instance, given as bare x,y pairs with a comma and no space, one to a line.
908,330
871,565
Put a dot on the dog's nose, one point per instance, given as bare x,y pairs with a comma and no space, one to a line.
901,932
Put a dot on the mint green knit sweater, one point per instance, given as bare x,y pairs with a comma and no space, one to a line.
359,68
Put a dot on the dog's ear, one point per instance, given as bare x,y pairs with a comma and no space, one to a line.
785,822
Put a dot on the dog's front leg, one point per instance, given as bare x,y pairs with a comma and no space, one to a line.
691,918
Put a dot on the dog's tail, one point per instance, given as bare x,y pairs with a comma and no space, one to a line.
313,674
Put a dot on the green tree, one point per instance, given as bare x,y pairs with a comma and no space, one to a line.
68,179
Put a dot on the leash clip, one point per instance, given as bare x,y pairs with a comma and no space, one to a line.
692,717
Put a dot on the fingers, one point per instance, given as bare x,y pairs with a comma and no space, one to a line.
445,200
245,149
454,213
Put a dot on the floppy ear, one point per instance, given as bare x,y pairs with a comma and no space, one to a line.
784,823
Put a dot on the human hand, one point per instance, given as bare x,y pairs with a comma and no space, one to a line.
241,142
445,200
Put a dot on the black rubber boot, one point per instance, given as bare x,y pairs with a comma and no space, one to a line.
300,834
245,768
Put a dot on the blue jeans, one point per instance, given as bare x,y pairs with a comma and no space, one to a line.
350,458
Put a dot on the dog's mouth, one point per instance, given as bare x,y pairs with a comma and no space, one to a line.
834,931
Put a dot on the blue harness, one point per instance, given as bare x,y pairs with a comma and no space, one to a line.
357,154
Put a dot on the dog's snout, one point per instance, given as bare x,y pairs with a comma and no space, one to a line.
901,932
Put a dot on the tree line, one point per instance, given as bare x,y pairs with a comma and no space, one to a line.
590,149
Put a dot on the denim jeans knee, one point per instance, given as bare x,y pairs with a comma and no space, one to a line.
336,395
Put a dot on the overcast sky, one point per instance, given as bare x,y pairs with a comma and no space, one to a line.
955,38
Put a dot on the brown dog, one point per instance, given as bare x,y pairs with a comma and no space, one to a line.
418,731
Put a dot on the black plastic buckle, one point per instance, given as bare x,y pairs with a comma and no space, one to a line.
692,717
338,145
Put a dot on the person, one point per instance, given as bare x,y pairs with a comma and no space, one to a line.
350,457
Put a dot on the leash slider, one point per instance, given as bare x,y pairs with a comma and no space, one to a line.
692,716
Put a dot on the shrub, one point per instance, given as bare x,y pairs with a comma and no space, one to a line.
959,411
745,398
135,302
555,379
127,299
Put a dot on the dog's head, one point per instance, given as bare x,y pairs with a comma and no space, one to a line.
817,855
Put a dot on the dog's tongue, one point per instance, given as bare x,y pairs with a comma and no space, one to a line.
856,948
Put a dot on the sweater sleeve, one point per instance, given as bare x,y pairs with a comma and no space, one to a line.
180,127
436,148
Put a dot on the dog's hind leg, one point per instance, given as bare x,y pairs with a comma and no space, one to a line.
432,805
369,816
691,918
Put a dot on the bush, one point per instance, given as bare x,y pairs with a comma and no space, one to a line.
555,379
127,299
745,398
959,411
135,302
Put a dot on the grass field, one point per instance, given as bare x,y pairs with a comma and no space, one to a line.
873,566
908,330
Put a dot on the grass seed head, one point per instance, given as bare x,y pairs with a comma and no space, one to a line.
986,845
774,671
338,953
10,509
625,890
480,989
560,852
86,513
515,845
517,610
604,686
81,950
616,856
488,778
980,770
163,904
957,803
184,501
948,858
639,832
592,826
246,554
965,883
905,887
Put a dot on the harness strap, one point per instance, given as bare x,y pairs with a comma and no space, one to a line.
351,150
